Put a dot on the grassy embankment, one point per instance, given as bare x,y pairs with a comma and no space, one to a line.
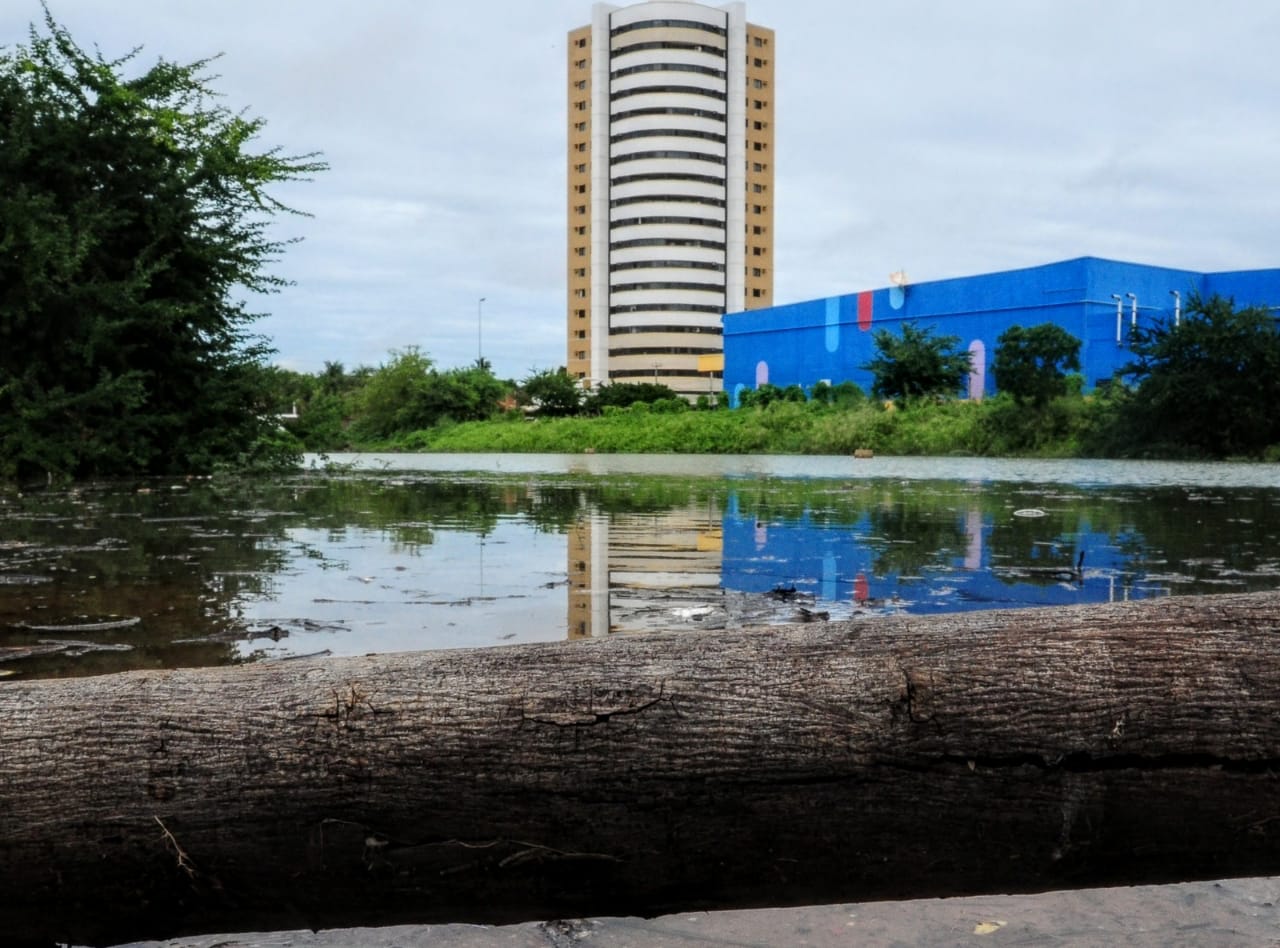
990,428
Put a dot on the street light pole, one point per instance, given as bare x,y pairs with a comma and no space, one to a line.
480,331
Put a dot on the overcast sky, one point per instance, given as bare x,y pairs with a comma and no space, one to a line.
940,138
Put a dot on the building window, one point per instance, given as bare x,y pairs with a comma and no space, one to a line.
580,106
581,146
581,167
581,230
757,293
759,188
580,126
580,294
758,208
757,271
758,103
759,63
758,229
580,334
758,40
580,188
580,209
755,166
580,84
757,251
580,354
580,313
580,64
760,126
580,251
758,146
758,83
580,272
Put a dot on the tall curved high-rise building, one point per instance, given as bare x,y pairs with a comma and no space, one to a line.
670,203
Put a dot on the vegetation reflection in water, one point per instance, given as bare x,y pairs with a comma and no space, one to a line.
112,577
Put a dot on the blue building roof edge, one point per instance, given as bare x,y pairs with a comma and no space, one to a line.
1086,262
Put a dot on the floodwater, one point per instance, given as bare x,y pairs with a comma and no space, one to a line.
392,553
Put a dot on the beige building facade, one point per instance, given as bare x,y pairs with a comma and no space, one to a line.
670,189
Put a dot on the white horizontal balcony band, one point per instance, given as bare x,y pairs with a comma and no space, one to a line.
667,209
659,10
686,277
678,269
667,231
660,123
666,318
632,361
686,166
669,35
670,252
669,340
659,188
660,57
659,100
712,296
682,270
670,143
642,80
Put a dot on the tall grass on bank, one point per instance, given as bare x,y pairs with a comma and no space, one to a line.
994,427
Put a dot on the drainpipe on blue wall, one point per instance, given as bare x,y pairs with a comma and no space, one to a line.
1119,316
1133,318
1177,308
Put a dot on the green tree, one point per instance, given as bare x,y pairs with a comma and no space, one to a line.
133,220
1209,385
554,392
472,393
389,401
410,394
917,364
622,394
1032,364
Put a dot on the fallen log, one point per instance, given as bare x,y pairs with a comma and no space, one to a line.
880,758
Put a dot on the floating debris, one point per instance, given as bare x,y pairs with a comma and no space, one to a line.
70,649
812,615
323,653
86,624
1030,512
692,613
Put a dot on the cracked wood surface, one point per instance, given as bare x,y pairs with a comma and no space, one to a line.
880,758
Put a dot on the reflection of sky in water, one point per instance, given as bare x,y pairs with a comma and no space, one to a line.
917,548
211,572
369,592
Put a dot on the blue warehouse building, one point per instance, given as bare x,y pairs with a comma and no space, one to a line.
1097,301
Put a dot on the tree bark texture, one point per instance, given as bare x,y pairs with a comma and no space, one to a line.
877,758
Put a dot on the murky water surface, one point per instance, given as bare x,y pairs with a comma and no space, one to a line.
397,553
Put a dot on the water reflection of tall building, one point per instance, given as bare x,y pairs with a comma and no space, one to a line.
691,565
636,571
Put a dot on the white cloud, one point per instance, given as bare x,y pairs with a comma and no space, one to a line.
941,138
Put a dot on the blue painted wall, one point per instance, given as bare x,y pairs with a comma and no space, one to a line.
831,339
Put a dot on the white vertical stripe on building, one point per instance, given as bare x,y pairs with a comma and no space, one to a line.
735,262
600,169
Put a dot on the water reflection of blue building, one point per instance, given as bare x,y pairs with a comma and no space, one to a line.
849,566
